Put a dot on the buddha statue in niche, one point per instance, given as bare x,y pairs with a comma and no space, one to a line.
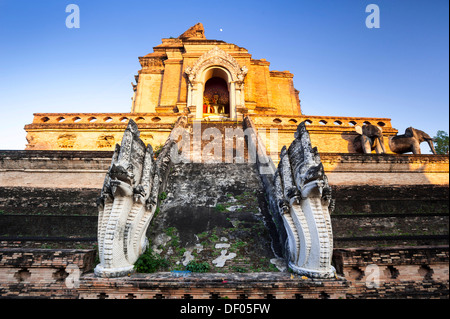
219,108
215,97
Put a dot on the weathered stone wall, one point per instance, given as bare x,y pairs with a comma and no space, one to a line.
43,273
399,272
396,272
41,201
212,286
405,272
53,169
86,169
379,208
408,272
48,226
379,199
376,216
415,215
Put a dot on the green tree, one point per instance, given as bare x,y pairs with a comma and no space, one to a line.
441,142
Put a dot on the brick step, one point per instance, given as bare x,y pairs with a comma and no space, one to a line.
234,150
377,214
391,206
391,241
49,242
388,193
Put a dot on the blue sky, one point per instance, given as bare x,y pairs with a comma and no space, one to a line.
342,68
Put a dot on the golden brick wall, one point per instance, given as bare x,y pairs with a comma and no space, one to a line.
162,75
148,92
388,169
94,131
328,134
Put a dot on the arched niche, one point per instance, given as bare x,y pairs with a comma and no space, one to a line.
216,63
216,92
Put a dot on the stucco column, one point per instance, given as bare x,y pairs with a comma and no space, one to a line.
232,100
189,95
198,99
133,100
242,95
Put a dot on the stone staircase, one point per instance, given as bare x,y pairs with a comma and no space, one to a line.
217,142
214,211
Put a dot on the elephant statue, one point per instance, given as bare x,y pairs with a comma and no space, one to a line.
410,141
370,138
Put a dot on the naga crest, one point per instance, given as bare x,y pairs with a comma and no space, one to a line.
304,203
126,205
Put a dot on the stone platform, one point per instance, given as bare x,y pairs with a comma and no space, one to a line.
266,285
381,273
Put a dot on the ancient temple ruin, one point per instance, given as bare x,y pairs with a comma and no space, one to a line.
207,80
216,169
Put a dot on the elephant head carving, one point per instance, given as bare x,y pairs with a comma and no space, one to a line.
370,138
410,141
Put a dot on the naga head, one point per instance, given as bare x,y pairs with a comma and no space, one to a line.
119,172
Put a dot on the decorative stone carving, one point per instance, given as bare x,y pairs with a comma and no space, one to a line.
242,73
126,206
149,62
66,140
304,202
105,141
216,56
129,199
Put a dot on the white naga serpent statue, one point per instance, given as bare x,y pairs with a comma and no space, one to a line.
128,201
304,203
